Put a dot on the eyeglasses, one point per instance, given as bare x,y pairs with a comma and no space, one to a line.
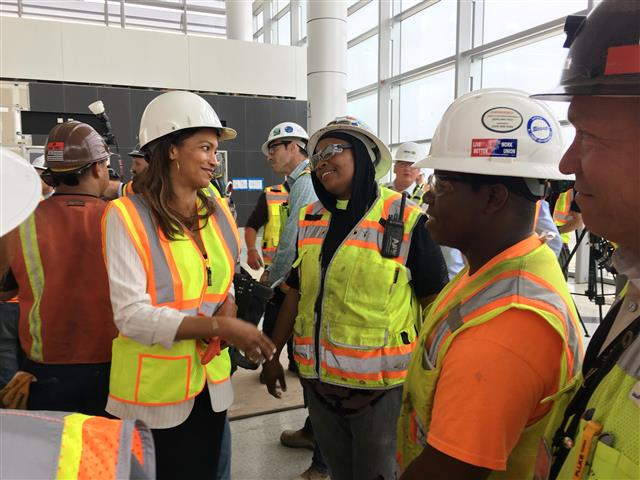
327,152
274,146
440,185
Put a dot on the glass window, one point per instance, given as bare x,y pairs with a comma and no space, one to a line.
428,36
362,64
277,6
303,19
422,103
258,21
507,17
533,68
363,20
260,38
281,30
365,109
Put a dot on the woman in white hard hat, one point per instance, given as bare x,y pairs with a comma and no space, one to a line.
171,252
365,266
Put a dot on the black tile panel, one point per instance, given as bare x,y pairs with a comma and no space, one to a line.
78,97
46,97
257,115
232,110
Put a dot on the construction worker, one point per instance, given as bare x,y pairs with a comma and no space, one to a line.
171,251
595,428
567,217
406,175
20,194
138,165
66,322
40,166
503,334
268,214
365,267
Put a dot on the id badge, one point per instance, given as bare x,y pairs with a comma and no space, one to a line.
543,461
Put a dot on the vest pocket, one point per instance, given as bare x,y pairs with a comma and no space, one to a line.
610,463
371,283
163,379
369,337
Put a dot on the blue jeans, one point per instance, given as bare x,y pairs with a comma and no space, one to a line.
360,446
224,462
10,352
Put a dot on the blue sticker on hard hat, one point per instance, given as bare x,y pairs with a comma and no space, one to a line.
494,147
539,129
288,129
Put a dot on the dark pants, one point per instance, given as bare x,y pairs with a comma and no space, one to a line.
10,352
79,388
270,317
192,449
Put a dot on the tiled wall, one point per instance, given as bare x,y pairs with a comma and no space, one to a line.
252,117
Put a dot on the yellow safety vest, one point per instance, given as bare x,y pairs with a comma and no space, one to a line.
181,278
276,196
525,276
69,446
614,453
365,331
125,189
562,212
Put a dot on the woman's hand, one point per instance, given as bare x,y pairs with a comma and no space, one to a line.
246,337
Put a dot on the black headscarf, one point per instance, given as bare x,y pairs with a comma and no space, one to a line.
363,194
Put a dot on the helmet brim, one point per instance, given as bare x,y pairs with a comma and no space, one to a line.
20,191
384,163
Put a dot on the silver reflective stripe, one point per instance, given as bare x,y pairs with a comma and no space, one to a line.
209,308
522,287
210,191
382,363
30,445
124,468
305,351
630,360
159,264
441,330
226,228
192,312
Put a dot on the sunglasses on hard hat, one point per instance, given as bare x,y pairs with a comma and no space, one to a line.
327,152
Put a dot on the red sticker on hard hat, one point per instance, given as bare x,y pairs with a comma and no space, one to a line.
622,59
55,151
494,147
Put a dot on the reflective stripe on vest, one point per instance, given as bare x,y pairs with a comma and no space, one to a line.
73,446
562,212
366,336
177,278
276,196
35,272
525,276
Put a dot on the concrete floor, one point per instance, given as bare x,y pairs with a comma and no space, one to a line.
257,453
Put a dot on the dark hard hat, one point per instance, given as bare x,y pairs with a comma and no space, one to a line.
136,152
604,53
72,145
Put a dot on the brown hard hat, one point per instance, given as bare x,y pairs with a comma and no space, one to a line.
72,145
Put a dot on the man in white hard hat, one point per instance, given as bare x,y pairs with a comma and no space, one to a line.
601,77
503,335
406,174
286,153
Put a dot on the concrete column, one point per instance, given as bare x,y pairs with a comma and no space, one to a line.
326,62
239,20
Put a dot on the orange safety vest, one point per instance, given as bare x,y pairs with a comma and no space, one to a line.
65,309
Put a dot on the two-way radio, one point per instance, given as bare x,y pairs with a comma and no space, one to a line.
394,232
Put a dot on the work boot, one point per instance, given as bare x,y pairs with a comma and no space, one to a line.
296,439
312,473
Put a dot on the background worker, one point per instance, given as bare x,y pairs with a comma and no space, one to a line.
567,217
138,165
355,300
41,167
504,331
171,252
406,175
601,78
66,322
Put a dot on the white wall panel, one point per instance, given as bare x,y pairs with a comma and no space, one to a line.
45,50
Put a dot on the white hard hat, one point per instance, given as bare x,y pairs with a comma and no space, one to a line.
283,131
498,131
38,163
381,156
410,152
179,110
20,190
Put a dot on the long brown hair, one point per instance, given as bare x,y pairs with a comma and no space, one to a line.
155,186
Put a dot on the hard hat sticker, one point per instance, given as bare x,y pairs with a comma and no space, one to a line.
276,131
494,147
502,119
288,129
539,129
55,152
623,59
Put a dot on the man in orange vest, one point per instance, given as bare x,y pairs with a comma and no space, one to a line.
66,322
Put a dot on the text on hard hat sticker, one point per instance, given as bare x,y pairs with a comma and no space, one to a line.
502,119
494,147
539,129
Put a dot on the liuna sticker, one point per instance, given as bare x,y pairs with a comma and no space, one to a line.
494,147
502,119
539,129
